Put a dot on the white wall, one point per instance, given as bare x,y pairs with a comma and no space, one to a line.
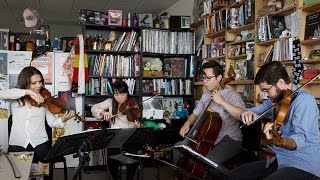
181,8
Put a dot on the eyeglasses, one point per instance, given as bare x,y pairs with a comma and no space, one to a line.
266,90
207,78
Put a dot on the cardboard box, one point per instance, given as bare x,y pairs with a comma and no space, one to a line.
152,73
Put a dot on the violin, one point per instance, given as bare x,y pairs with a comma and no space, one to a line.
54,105
130,109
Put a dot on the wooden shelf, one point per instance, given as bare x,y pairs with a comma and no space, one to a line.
285,11
241,82
303,81
248,99
242,56
311,7
311,61
242,28
215,58
240,42
197,24
216,34
199,83
267,43
311,42
236,4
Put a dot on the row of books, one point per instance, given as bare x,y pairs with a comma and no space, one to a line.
269,27
281,50
103,86
213,50
125,42
167,42
166,86
230,18
114,65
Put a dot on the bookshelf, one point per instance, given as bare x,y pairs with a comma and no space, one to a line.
232,39
113,53
174,82
260,45
123,53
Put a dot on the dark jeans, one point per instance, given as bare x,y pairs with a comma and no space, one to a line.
40,151
257,170
114,166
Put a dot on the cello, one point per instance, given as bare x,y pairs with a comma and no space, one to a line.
201,138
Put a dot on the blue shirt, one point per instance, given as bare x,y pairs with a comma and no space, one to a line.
301,125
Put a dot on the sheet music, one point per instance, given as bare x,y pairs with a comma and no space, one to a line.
88,130
197,155
137,155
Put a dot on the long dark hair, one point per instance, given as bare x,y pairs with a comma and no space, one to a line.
24,79
118,87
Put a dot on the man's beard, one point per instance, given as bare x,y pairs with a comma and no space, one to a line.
280,95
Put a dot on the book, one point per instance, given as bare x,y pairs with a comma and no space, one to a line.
152,107
167,70
177,66
312,28
115,17
277,25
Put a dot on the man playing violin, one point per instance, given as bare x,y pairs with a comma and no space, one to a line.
28,131
229,140
121,112
297,145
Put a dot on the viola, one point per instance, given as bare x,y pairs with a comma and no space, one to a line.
130,109
54,105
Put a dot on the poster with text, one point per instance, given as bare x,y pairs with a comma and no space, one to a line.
62,72
45,65
17,60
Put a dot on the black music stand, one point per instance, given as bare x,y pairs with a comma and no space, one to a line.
83,143
198,157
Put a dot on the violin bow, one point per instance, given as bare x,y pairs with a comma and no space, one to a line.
131,107
273,106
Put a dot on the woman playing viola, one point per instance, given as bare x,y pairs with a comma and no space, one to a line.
28,131
120,110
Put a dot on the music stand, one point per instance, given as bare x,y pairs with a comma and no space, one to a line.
198,157
81,145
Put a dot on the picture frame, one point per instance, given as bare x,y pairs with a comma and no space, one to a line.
115,17
185,21
145,20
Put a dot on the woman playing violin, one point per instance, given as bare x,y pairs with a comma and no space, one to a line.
122,112
28,132
229,140
297,143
